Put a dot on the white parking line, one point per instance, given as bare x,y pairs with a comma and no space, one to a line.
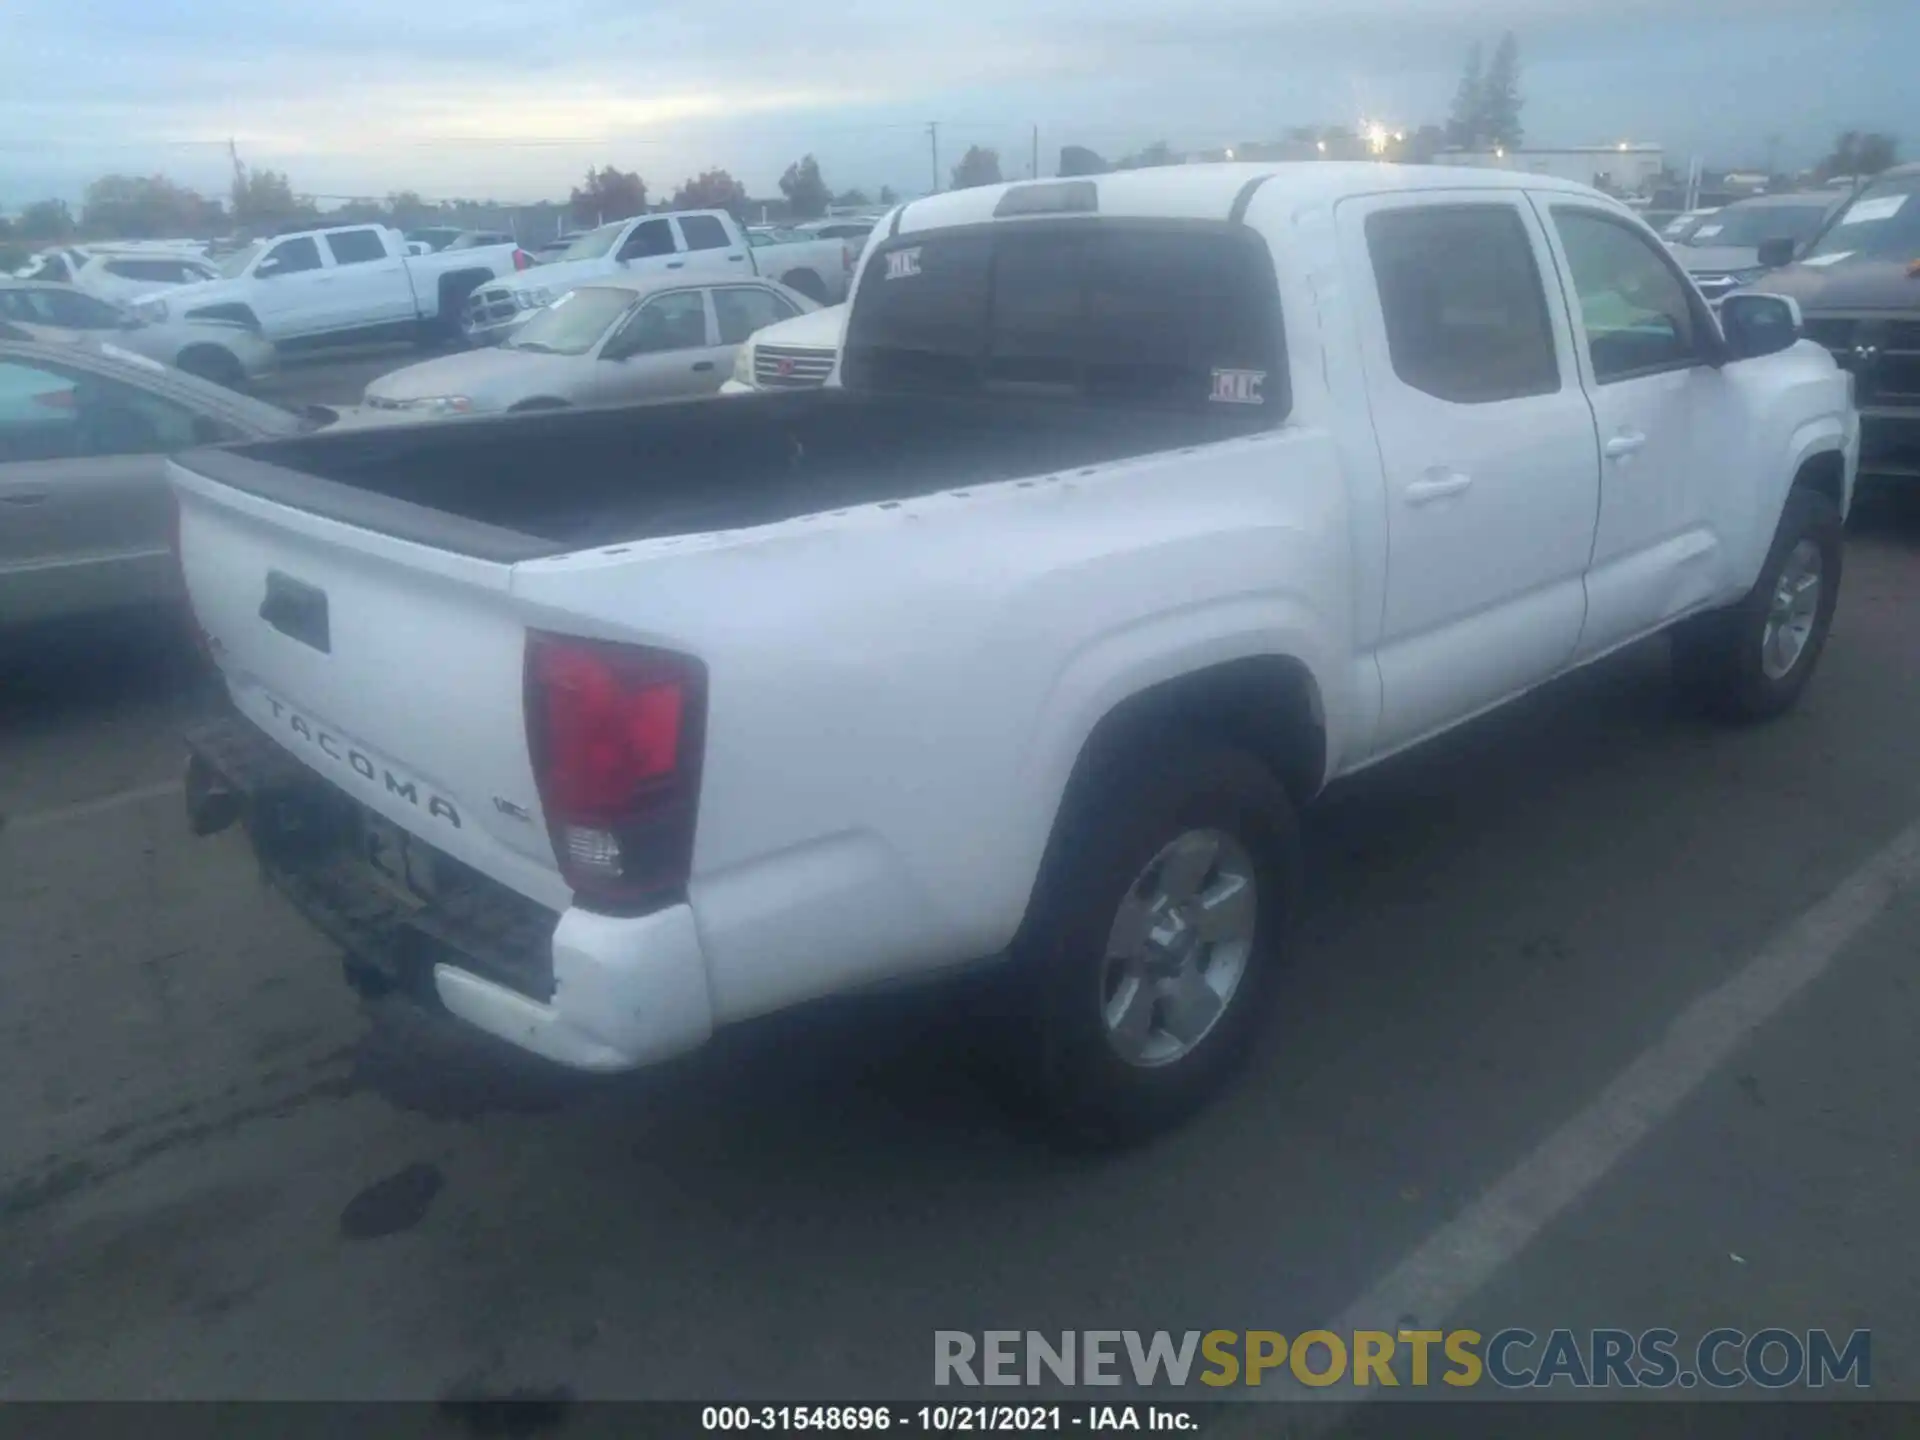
60,815
1463,1255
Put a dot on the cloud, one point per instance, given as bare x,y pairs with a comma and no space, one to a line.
446,96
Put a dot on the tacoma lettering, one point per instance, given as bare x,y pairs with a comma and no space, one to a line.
362,765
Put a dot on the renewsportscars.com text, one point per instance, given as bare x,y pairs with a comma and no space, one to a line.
1513,1359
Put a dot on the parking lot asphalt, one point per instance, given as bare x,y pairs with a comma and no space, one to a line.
338,376
1599,1015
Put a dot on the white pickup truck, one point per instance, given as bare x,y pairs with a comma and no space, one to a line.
350,282
1148,505
694,241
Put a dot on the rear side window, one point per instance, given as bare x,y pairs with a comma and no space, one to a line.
704,232
1465,310
1183,314
164,272
356,247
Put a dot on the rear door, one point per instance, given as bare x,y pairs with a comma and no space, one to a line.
368,283
738,311
710,246
1487,443
84,507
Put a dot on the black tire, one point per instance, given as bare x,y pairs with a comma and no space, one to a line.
1069,1075
211,363
1718,658
446,328
808,284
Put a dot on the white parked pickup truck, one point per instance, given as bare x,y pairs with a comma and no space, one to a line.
693,241
350,282
1147,505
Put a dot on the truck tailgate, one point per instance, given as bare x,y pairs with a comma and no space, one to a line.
391,669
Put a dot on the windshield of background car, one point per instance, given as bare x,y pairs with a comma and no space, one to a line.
1749,226
235,265
595,243
1167,314
1884,220
573,324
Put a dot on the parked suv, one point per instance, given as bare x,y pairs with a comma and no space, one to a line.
1859,290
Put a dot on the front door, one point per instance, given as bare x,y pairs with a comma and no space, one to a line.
1667,422
1487,449
665,351
291,298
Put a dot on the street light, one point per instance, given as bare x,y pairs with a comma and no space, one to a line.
1323,146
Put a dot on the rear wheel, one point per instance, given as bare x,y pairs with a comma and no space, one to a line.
1155,939
212,363
807,283
1752,660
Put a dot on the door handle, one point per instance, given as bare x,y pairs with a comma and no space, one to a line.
676,264
1627,442
703,365
1436,484
31,497
736,259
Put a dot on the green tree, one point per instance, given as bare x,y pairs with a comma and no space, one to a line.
855,198
1078,160
807,194
46,220
1463,123
145,207
887,196
608,195
979,166
1500,98
1858,153
263,200
1157,154
712,190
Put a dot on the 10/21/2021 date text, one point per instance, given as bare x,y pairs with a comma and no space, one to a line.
949,1419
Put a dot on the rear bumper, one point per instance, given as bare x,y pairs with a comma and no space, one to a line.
587,991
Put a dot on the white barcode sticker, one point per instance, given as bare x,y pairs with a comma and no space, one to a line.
1239,387
1881,207
903,264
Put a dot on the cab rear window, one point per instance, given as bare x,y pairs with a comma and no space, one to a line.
1180,314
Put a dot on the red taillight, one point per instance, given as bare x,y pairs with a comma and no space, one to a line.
522,260
55,399
616,733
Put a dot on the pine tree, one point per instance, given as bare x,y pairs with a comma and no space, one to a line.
1463,125
1500,98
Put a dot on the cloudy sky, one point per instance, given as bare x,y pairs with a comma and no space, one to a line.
514,98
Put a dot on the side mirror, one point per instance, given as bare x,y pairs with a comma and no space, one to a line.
1757,325
1775,253
266,269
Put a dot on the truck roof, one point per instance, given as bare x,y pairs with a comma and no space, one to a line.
1195,191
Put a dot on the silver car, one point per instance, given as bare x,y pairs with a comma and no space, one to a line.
615,340
225,353
85,510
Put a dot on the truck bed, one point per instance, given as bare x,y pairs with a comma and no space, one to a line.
517,487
